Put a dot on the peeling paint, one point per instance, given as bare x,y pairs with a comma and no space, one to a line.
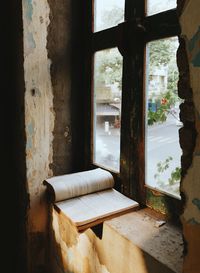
192,221
29,143
194,49
29,9
196,202
190,25
30,128
39,123
31,41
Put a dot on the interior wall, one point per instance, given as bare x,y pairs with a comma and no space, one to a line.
47,100
39,122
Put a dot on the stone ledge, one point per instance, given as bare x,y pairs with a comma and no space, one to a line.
159,240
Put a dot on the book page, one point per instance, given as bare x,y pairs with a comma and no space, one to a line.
88,208
76,184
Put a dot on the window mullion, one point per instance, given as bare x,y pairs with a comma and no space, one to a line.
132,130
134,9
104,39
162,25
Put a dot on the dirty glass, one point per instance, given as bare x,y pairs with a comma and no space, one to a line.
107,108
163,150
156,6
108,13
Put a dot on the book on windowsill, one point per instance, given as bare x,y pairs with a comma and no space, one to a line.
88,198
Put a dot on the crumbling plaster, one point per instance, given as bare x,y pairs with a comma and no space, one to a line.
190,25
46,33
39,118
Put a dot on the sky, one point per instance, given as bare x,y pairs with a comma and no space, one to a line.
153,6
102,5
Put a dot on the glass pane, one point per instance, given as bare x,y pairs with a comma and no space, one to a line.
107,108
156,6
108,13
163,151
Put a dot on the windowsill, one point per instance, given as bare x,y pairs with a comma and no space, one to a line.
161,243
136,242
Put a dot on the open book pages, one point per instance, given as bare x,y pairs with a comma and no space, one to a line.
91,209
76,184
87,198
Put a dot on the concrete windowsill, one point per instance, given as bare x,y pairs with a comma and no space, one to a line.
162,245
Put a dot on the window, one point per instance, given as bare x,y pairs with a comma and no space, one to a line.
133,94
163,151
107,108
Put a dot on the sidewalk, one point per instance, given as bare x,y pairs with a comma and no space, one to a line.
171,120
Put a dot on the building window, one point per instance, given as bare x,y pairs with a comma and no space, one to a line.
133,93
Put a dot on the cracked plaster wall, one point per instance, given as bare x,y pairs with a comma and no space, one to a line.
190,24
47,101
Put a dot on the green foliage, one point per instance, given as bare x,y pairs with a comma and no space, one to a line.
164,103
109,68
158,116
162,166
161,55
172,80
161,52
174,178
109,63
112,17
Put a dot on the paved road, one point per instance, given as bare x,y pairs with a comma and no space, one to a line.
162,142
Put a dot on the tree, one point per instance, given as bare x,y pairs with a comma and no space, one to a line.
112,17
108,63
109,67
160,54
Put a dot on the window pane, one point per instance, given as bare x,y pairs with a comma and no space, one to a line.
156,6
108,13
163,151
107,108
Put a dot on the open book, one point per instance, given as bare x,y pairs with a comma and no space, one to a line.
87,198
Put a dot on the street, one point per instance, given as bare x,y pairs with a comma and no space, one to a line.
162,142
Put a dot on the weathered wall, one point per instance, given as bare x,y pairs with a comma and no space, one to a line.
59,52
39,122
48,126
47,112
190,23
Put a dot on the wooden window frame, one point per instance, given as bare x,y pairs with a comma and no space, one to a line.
130,37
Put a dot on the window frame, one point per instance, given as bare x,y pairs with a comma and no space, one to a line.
131,179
